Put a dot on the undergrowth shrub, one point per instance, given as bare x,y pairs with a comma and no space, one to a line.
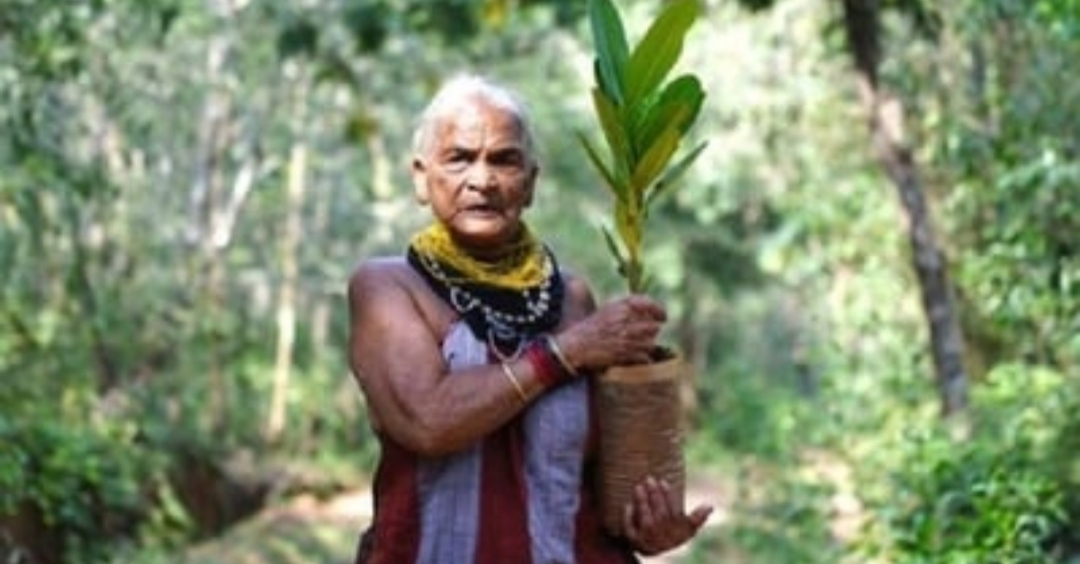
88,486
1000,496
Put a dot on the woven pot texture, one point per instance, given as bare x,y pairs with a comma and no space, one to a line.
641,435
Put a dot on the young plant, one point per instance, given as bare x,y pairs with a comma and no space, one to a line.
643,118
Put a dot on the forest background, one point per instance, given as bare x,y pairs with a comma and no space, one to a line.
874,267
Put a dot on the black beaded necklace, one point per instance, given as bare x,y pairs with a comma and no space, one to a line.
506,318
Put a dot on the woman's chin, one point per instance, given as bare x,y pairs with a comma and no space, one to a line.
483,235
487,228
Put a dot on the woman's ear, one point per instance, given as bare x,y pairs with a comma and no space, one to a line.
420,182
530,185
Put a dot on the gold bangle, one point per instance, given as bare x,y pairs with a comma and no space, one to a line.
555,350
514,380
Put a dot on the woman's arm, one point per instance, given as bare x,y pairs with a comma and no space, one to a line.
396,357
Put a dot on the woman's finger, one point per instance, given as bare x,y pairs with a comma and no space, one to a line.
699,516
670,500
646,516
629,526
659,500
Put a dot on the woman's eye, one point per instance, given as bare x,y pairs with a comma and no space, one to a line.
456,161
508,158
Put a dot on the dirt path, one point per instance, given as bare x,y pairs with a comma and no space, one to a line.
309,531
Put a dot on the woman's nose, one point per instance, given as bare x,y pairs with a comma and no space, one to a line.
481,177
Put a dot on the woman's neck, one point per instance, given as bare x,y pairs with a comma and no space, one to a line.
490,253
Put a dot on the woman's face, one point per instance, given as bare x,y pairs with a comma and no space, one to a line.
477,175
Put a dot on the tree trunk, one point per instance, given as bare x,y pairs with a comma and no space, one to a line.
381,185
290,272
885,114
214,204
320,300
212,124
205,264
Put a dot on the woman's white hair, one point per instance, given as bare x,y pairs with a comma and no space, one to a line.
463,88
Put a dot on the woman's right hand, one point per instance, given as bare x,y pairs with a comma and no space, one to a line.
622,331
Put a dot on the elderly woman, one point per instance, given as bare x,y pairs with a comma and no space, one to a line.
474,353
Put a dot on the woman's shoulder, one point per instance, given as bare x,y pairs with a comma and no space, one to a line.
391,282
379,274
380,266
579,296
577,286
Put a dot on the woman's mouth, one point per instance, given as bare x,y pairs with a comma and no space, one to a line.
481,209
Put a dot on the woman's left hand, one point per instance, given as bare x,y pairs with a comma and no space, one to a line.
654,522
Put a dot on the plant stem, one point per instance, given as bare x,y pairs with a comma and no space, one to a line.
634,275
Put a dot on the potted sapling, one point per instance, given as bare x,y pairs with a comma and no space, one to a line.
643,119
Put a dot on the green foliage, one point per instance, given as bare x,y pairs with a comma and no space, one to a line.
790,523
998,496
643,120
1006,148
977,504
762,418
92,485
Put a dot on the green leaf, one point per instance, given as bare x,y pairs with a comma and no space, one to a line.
678,104
612,50
655,158
658,51
617,188
685,90
659,124
614,131
672,174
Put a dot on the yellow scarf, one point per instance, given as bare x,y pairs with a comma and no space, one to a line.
524,267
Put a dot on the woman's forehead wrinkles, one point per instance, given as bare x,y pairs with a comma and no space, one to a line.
473,129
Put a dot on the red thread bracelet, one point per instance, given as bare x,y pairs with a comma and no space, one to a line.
548,369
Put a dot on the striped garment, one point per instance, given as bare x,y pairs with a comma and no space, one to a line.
519,496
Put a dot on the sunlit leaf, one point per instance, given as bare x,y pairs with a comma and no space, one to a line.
655,159
495,13
678,104
613,131
658,51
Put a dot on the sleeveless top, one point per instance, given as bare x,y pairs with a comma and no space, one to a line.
521,495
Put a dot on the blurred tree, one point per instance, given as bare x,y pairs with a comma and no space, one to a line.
885,112
860,21
1012,157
